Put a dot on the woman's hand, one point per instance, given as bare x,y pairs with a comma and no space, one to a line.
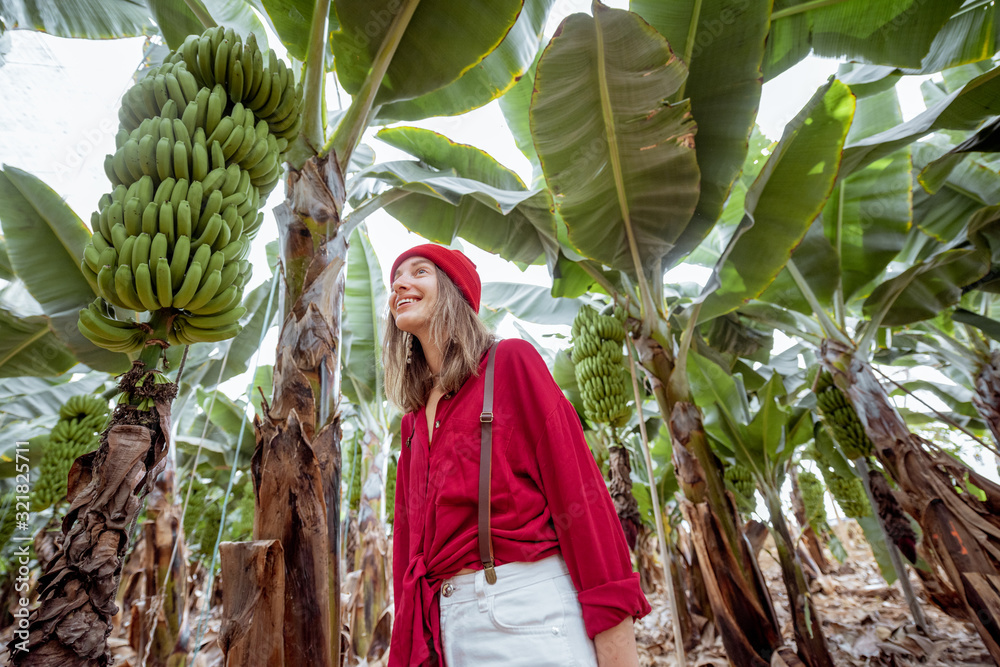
616,646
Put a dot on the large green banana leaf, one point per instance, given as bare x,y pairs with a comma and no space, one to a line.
456,190
970,35
291,21
364,307
866,219
45,240
964,109
531,303
443,40
176,20
6,270
789,193
884,32
619,161
31,397
87,19
490,79
926,288
28,347
724,82
237,352
231,418
515,105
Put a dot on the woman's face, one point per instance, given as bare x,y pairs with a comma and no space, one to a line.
414,295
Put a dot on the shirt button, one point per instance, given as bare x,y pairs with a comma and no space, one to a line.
437,423
447,590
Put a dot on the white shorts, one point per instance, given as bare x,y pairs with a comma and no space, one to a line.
531,616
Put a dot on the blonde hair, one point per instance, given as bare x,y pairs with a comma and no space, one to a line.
459,332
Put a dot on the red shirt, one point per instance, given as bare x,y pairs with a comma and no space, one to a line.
547,497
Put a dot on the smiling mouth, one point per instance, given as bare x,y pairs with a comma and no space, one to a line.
405,302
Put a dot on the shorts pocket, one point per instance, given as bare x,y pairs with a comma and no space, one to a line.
536,608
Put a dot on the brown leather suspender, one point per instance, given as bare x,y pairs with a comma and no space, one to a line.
485,464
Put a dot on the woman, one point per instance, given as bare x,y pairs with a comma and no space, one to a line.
565,593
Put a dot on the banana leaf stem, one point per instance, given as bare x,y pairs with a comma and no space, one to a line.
689,44
312,123
201,13
839,309
666,557
348,133
803,8
830,328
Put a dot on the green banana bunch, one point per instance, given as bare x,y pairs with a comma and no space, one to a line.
842,418
849,492
740,481
76,433
812,498
354,493
203,515
597,363
200,147
390,490
8,517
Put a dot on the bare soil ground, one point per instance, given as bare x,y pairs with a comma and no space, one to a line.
865,621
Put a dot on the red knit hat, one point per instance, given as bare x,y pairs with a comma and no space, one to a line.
456,266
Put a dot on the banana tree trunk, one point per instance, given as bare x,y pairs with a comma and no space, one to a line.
987,395
296,465
740,603
805,618
963,531
165,578
106,490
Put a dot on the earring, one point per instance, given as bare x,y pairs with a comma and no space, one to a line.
409,348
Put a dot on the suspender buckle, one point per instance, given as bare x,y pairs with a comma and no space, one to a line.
486,418
491,573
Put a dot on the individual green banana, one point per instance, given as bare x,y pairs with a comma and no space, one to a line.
212,230
222,319
216,106
157,248
144,288
125,288
224,300
140,250
179,261
150,219
106,286
160,92
125,253
206,55
179,192
188,83
180,156
207,291
222,130
92,257
166,223
164,283
182,219
188,288
199,162
164,159
163,190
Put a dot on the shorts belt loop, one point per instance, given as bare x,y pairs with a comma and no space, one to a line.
481,591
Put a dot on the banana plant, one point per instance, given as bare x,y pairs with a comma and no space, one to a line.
857,287
763,438
384,53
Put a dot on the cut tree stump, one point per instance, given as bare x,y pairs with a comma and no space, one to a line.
253,604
